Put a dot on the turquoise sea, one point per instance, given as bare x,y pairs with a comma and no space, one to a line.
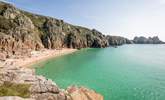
129,72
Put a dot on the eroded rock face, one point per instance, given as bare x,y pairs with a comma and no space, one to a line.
21,31
117,40
42,86
17,32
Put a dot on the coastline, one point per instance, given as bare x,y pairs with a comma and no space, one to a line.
37,56
17,72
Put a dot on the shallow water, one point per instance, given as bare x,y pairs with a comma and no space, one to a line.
129,72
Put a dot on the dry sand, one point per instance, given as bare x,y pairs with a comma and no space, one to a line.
37,56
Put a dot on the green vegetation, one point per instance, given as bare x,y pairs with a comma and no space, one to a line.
11,89
6,24
38,21
2,7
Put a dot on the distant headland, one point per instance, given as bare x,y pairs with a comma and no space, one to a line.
149,40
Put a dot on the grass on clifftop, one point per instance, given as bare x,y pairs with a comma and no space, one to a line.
11,89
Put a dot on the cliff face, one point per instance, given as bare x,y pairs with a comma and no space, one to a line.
150,40
117,40
21,31
17,32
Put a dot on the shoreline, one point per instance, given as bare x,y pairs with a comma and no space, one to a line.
38,87
37,56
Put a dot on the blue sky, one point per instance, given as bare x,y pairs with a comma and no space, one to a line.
127,18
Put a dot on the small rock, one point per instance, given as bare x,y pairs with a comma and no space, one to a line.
83,94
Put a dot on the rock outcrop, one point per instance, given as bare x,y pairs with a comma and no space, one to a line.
118,40
149,40
83,94
42,88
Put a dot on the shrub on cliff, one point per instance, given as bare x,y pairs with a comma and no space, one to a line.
11,89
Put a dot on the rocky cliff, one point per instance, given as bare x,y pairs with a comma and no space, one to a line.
149,40
21,31
118,40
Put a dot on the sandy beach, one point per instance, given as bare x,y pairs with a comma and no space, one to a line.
37,56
